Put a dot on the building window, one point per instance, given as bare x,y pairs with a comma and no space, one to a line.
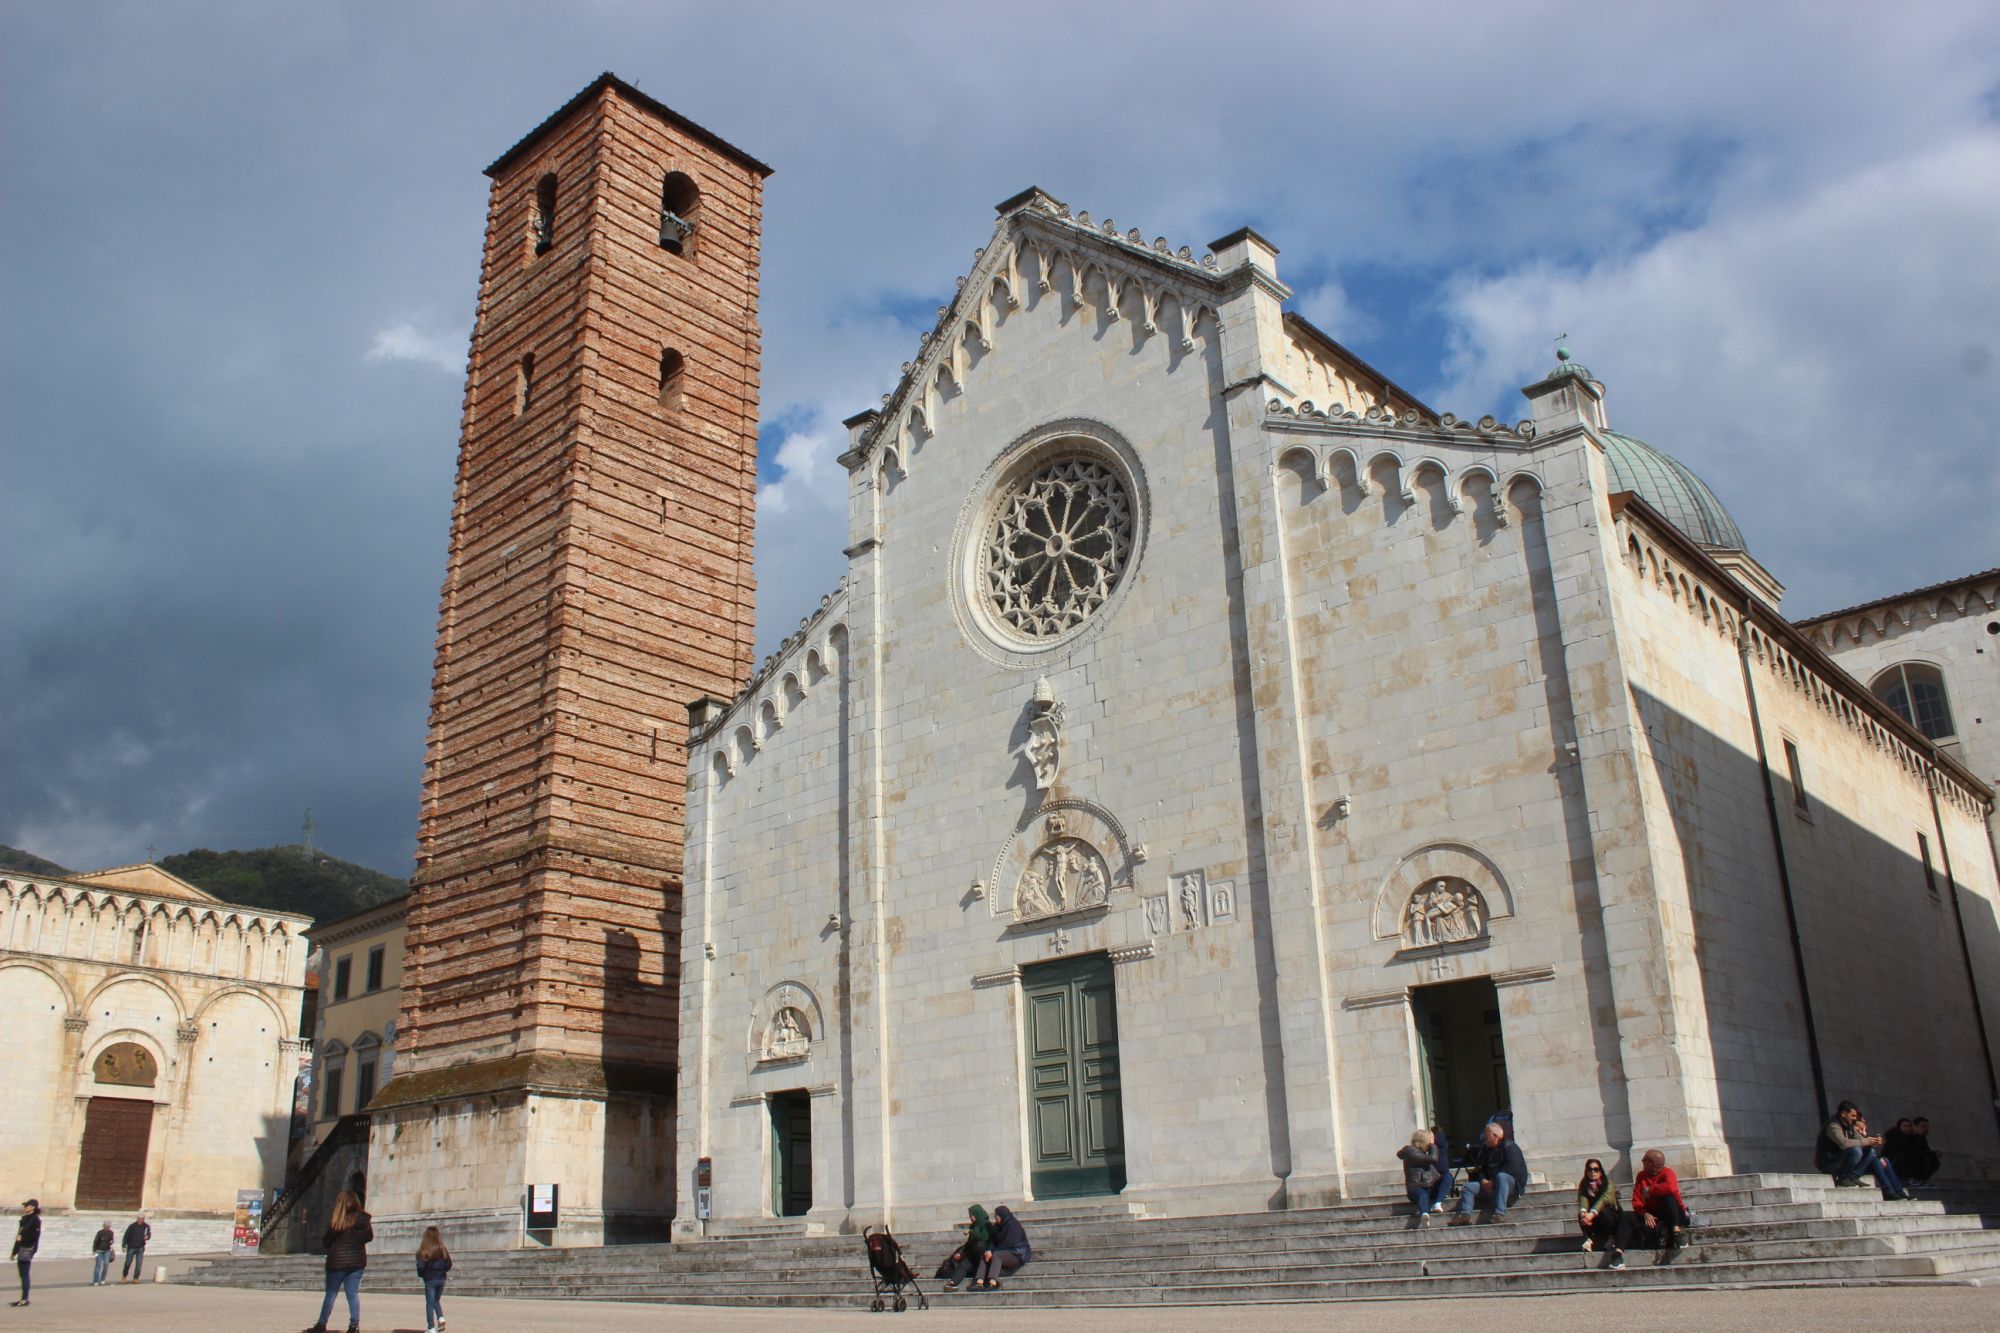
343,977
364,1085
545,213
329,1105
375,960
524,384
1930,875
680,203
1799,801
139,943
1916,691
672,372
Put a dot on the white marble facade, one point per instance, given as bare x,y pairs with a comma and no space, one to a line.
1175,637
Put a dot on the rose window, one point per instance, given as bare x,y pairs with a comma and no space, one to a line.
1059,544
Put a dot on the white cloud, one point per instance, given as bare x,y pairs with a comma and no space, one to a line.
1817,359
405,341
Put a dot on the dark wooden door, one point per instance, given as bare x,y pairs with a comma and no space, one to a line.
791,1154
113,1171
1075,1115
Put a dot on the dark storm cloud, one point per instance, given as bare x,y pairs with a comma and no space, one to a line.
240,247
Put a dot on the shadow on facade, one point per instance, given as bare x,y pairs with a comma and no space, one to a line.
636,1182
1892,1007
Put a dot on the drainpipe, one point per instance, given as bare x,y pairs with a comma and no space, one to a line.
1964,949
1784,872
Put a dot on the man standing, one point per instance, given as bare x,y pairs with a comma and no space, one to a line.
1499,1173
1852,1152
27,1239
136,1237
100,1252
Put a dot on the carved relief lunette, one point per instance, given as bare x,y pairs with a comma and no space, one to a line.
1065,874
1445,911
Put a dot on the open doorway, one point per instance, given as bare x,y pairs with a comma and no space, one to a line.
1462,1059
791,1153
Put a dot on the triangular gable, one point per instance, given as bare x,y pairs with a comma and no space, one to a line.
147,879
1037,239
1326,370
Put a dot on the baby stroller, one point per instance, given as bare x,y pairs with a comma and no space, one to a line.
890,1271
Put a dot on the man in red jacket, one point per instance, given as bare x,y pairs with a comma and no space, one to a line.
1659,1213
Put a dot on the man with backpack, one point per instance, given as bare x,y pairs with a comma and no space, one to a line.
1499,1174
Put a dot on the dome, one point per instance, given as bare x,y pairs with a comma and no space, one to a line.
1667,485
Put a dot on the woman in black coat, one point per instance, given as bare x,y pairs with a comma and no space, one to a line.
346,1239
27,1239
1008,1251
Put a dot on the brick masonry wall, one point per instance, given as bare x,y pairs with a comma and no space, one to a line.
599,580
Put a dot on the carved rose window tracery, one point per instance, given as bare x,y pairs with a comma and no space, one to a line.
1060,542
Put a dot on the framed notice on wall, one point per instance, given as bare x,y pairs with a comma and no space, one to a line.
248,1232
541,1206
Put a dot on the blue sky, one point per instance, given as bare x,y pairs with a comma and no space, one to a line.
239,255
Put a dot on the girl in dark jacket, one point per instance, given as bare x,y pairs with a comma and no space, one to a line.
1008,1251
347,1235
433,1262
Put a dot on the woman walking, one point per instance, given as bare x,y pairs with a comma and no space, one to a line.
27,1239
1008,1252
433,1262
347,1235
1597,1212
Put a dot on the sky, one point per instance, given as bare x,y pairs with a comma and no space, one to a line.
239,249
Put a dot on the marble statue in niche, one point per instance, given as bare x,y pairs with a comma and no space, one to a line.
1065,874
1189,893
1445,911
789,1037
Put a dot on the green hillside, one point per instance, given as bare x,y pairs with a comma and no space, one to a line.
13,858
287,879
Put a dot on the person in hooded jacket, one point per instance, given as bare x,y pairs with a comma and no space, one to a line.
1009,1250
347,1235
962,1262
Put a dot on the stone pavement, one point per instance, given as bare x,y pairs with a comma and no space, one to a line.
64,1301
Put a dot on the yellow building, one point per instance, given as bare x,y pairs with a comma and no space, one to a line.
360,986
151,1042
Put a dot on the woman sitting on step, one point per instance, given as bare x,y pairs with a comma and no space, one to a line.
1425,1178
1597,1212
1008,1251
962,1262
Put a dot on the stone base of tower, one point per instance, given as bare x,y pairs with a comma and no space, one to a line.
458,1148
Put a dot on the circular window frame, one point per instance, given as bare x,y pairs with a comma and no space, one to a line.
983,627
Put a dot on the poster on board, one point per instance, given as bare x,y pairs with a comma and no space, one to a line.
249,1228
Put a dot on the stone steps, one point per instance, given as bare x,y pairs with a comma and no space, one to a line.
69,1236
1760,1230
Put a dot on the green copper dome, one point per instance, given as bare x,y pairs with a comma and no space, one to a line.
1666,484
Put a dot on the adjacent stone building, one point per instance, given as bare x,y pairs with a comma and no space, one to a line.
598,582
361,989
1215,762
151,1042
1933,655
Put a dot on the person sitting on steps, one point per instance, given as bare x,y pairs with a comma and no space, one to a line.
1847,1151
1499,1173
1597,1211
964,1260
1659,1213
1425,1178
1908,1148
1008,1251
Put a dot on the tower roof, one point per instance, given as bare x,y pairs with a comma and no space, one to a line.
1672,489
630,94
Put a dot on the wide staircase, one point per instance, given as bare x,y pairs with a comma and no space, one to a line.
1759,1230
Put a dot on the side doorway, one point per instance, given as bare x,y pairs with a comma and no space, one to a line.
1076,1118
1462,1058
791,1154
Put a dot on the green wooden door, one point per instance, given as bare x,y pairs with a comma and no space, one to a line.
1076,1127
791,1154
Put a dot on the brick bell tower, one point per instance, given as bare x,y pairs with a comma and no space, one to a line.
598,581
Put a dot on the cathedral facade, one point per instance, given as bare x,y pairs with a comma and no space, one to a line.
1216,763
